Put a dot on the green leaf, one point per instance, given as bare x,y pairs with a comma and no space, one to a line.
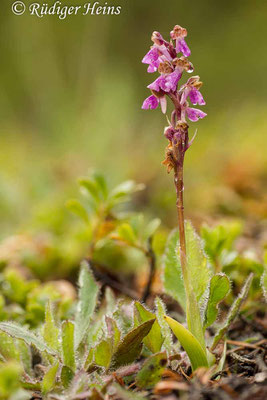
264,277
197,266
151,228
130,347
103,353
10,374
122,192
151,371
49,379
190,344
218,289
88,294
101,183
219,238
197,263
126,233
90,186
154,339
234,310
50,331
113,332
8,349
25,355
18,332
68,344
165,329
172,278
126,394
66,376
78,209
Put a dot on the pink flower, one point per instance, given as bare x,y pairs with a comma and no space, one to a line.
182,47
152,102
194,114
152,58
178,34
167,82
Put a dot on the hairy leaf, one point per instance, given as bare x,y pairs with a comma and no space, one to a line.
113,332
197,266
151,371
131,345
154,339
68,344
66,376
49,379
218,289
50,331
8,349
88,294
264,278
234,310
191,345
165,329
19,332
173,281
103,353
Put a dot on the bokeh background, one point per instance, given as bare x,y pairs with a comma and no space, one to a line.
70,100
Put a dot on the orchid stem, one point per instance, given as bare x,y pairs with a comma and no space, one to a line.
192,310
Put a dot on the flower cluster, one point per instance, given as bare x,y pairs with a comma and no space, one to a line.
164,57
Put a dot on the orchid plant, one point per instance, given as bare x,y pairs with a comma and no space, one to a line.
189,279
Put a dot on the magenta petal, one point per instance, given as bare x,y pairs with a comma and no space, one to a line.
151,56
163,104
157,84
151,68
171,81
194,114
151,103
196,97
182,47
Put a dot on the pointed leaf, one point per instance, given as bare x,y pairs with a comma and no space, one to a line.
234,310
90,186
113,332
264,277
191,345
103,353
165,329
8,349
88,294
78,209
18,332
50,331
151,371
218,289
154,339
68,344
49,379
66,376
173,281
131,345
197,266
126,233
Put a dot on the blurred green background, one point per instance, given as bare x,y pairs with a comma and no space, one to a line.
70,100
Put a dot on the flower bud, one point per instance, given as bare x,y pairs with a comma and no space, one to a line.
165,68
178,32
183,63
